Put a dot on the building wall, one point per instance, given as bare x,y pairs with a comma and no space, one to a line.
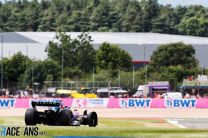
139,45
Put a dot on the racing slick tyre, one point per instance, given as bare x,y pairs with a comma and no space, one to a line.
92,119
65,117
30,118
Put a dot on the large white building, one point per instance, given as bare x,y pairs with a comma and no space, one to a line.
139,45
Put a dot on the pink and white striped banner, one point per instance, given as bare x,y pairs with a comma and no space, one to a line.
112,103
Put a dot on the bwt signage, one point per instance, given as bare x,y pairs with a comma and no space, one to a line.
149,103
7,103
133,102
180,103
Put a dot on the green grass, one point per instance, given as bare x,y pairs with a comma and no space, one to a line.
138,128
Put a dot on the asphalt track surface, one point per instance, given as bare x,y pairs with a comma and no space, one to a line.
194,123
182,118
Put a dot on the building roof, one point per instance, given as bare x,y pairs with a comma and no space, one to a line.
12,37
121,38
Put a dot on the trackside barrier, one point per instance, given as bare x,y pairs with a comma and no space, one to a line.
111,103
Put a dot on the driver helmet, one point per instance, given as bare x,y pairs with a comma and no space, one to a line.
75,113
53,108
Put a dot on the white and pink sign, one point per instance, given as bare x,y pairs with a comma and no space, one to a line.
90,102
112,103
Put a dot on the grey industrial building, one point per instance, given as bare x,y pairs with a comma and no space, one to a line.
139,45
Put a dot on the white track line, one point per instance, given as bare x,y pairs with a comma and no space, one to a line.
175,122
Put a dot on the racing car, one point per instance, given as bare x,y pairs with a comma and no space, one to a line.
57,114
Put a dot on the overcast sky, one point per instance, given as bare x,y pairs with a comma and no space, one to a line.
184,2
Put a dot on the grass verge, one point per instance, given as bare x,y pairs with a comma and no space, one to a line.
138,128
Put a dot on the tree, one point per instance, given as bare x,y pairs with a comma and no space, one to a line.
14,68
150,9
78,52
166,21
85,19
47,22
74,21
85,53
193,26
179,12
40,71
112,57
173,62
174,54
132,17
100,16
33,16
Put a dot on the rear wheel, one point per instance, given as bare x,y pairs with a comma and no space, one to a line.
92,119
65,117
30,118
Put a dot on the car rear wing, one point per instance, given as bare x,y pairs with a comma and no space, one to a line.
35,103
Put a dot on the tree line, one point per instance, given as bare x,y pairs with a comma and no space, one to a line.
75,59
103,16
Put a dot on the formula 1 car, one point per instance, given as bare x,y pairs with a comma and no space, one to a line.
59,115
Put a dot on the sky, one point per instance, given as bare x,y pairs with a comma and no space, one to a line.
174,3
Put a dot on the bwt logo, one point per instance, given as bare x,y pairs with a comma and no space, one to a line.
134,102
181,103
20,131
6,103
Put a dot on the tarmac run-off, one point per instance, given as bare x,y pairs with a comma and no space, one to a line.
128,112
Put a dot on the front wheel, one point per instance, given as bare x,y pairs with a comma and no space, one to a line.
92,119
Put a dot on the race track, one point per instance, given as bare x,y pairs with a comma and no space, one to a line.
128,112
194,123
